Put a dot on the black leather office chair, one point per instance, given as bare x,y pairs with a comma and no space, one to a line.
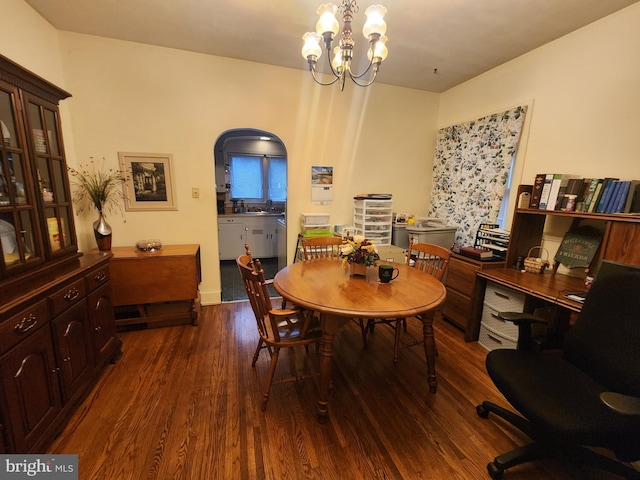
589,396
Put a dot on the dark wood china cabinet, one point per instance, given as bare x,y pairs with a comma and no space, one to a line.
57,326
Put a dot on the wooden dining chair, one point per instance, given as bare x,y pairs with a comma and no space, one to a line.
320,247
278,328
431,259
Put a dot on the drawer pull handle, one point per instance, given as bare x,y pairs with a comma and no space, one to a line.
502,295
495,339
497,317
100,276
26,324
71,295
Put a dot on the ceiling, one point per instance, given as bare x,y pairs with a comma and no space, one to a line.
458,39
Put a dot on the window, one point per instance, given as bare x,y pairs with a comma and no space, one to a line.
258,178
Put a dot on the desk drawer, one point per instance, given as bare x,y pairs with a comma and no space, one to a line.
503,299
506,329
492,340
461,276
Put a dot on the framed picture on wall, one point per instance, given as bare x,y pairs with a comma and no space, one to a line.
150,185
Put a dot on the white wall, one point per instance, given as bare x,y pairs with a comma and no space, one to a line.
584,95
582,91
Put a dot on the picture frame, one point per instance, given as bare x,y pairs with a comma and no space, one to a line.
150,185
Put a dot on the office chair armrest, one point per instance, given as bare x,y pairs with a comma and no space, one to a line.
620,403
524,322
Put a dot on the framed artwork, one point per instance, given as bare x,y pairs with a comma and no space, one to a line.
150,184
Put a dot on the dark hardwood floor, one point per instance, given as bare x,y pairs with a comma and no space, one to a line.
184,403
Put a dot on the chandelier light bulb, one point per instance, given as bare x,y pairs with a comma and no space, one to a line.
327,21
311,45
379,50
375,21
337,61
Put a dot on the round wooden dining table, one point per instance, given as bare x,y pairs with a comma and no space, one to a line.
326,286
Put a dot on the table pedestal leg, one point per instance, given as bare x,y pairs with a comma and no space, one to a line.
429,349
330,325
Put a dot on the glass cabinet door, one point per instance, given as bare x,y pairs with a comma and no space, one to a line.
51,175
19,233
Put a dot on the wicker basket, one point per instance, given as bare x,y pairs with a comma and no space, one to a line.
536,264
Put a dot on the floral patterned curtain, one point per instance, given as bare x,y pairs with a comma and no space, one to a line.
471,169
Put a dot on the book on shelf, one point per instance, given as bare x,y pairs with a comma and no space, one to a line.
605,191
612,194
537,190
546,191
632,204
589,197
558,187
617,203
586,183
572,191
477,253
596,196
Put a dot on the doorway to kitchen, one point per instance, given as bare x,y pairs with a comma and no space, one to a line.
251,196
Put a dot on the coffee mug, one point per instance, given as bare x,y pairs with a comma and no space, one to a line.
387,273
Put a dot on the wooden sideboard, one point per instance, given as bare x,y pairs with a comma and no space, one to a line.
57,335
156,288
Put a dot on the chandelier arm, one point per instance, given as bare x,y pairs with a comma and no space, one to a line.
313,74
363,73
355,79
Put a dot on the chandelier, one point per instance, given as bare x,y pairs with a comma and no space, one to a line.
327,28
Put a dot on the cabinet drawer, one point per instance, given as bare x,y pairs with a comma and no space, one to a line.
506,329
21,325
492,340
68,296
457,308
503,299
461,276
96,278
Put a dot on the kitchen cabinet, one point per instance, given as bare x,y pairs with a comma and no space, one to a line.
231,237
259,231
262,236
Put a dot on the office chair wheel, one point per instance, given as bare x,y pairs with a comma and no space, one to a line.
482,411
494,470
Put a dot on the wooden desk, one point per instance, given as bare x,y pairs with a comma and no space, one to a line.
545,286
162,285
325,286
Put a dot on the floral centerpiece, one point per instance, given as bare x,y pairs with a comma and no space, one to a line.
359,252
100,189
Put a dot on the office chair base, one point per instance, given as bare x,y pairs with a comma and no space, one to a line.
541,449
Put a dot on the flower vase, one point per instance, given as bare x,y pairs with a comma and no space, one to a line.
102,232
358,268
